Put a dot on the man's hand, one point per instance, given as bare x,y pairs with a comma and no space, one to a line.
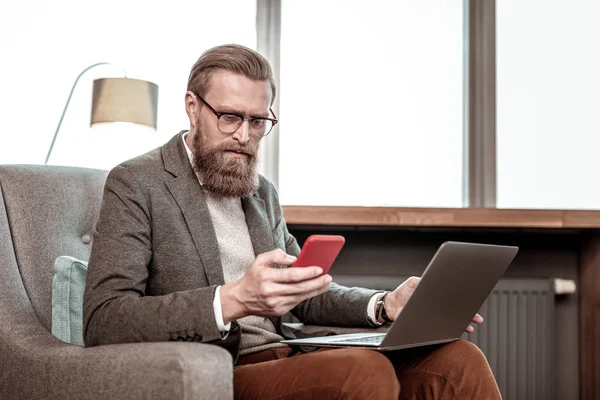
396,300
268,291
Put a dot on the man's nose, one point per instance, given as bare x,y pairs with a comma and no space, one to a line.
242,135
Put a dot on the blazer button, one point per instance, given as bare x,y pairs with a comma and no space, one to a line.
87,239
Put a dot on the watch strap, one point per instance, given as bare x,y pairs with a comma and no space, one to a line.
380,312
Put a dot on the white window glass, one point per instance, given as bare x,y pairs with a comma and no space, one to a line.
371,103
46,44
548,79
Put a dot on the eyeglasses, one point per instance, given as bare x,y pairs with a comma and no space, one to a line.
230,122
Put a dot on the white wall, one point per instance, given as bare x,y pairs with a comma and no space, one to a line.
44,45
371,103
548,89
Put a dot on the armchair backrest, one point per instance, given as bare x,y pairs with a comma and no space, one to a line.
46,212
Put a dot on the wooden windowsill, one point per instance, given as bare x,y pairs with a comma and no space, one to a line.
441,217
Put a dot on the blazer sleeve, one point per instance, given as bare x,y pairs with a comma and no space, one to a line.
116,308
339,306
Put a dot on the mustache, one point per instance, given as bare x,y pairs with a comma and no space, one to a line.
238,149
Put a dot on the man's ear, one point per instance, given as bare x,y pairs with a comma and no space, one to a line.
192,106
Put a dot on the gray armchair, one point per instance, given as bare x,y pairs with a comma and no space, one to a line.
46,212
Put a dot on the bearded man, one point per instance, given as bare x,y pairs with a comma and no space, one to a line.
185,249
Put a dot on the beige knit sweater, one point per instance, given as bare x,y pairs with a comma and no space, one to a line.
237,253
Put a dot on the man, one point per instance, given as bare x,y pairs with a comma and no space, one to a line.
185,249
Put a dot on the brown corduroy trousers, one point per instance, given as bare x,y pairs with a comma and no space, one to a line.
457,370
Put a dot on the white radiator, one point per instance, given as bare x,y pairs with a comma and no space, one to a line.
518,336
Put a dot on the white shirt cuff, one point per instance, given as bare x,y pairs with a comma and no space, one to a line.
371,309
219,312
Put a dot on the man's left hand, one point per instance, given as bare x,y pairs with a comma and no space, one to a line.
396,300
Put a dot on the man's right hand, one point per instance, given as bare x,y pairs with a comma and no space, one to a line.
268,291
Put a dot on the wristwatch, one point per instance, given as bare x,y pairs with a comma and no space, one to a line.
380,314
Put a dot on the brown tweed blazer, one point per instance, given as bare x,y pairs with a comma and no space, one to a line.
155,260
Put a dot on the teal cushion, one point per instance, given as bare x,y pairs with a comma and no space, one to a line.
68,286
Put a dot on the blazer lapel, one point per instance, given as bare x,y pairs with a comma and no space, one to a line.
258,224
190,197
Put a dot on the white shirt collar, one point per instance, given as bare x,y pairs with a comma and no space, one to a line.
187,149
190,155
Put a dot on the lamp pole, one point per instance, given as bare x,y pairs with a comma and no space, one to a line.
69,100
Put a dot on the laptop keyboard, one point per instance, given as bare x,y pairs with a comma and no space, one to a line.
364,339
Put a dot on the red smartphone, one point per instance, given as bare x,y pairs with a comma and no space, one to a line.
320,251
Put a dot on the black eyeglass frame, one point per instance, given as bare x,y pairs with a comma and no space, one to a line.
244,118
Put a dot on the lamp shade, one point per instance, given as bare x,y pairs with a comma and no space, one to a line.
124,100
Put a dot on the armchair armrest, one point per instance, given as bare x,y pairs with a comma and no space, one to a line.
36,365
50,369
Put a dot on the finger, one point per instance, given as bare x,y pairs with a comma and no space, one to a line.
301,288
470,329
275,257
314,293
292,301
412,282
478,319
294,275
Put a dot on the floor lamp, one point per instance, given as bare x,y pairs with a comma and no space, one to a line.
117,100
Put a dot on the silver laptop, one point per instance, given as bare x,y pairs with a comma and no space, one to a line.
453,288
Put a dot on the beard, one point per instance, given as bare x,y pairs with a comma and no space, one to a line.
225,176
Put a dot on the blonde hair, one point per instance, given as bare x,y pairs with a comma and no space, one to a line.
230,57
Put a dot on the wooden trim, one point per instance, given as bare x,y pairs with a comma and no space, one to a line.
582,219
589,317
440,217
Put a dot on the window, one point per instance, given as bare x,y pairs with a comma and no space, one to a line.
547,96
371,103
50,43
